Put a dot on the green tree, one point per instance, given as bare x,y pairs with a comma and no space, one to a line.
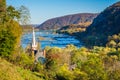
12,13
24,15
6,45
2,5
24,61
10,31
79,75
94,68
2,10
64,73
112,43
78,57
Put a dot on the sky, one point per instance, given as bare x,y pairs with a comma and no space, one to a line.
42,10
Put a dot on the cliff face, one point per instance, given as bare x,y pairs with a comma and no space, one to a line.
56,23
105,24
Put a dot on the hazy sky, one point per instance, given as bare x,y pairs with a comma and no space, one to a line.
42,10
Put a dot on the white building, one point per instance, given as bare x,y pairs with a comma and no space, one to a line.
36,53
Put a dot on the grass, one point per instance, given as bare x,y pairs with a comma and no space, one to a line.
9,71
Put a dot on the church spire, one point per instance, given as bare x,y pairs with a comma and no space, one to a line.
34,45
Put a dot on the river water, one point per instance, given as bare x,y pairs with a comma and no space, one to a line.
48,38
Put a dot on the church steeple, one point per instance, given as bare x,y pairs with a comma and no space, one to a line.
35,52
34,44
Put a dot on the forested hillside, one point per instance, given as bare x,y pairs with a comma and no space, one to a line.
107,23
56,23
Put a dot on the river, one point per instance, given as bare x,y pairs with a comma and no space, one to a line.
48,38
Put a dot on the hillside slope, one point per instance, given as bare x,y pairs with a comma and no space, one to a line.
56,23
107,23
9,71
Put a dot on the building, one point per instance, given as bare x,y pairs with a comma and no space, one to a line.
37,54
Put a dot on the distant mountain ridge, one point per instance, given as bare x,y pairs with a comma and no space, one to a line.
58,22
